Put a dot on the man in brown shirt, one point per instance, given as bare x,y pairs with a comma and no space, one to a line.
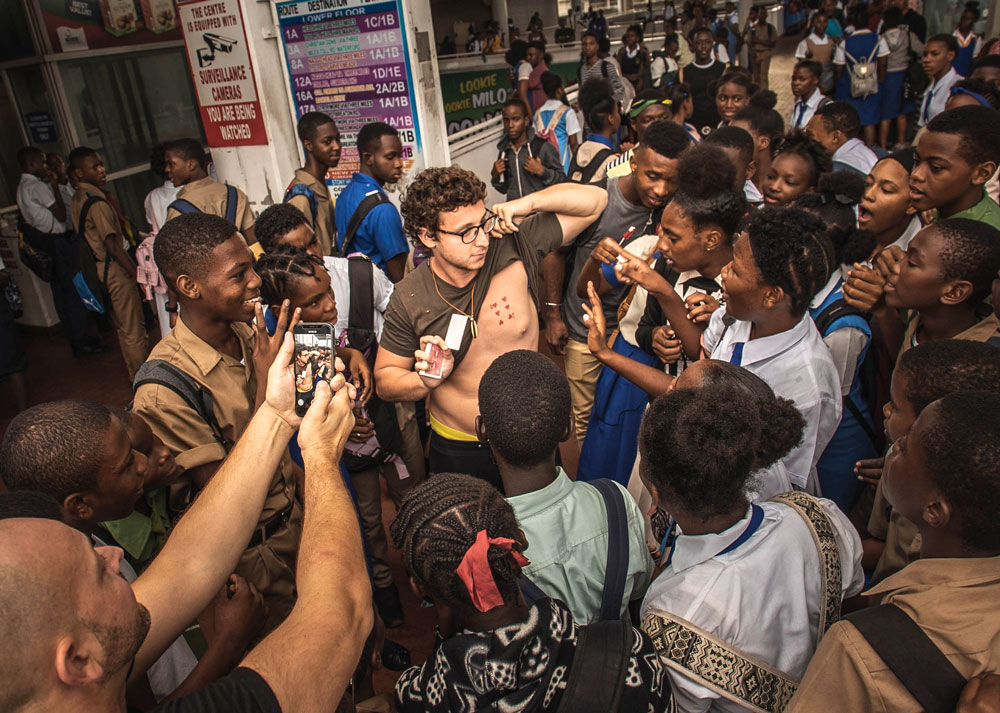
308,190
187,163
944,475
476,298
208,264
115,268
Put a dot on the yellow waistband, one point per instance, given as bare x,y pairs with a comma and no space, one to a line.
452,434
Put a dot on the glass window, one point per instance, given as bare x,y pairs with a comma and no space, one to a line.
10,136
15,35
124,105
131,193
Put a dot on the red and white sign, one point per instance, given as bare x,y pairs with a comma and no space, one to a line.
223,75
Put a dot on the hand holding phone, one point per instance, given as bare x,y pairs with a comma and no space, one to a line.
313,360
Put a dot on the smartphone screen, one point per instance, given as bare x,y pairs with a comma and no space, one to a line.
313,360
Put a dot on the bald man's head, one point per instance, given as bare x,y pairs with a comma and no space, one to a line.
67,618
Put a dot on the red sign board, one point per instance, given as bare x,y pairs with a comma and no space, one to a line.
223,74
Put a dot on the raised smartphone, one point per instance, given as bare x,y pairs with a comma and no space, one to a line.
313,360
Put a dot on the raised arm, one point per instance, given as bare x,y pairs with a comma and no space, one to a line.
308,660
184,577
576,206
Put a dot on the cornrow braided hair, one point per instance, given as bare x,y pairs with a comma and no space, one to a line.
792,251
438,522
279,268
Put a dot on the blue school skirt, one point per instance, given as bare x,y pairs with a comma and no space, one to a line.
612,440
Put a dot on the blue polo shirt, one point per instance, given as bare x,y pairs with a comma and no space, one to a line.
380,235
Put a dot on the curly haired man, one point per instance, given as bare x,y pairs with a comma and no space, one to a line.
476,298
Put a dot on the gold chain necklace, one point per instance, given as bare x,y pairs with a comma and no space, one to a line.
472,319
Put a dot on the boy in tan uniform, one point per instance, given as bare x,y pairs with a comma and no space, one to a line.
207,262
308,190
761,38
115,269
944,475
186,162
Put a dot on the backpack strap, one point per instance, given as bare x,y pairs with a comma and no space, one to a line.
616,569
836,310
232,201
371,200
361,319
604,68
531,591
716,665
596,677
825,538
556,117
910,654
301,189
196,396
182,205
82,229
595,163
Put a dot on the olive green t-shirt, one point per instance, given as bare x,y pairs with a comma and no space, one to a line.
415,308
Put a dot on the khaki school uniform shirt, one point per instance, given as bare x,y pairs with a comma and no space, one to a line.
210,196
902,539
233,386
954,600
100,223
325,227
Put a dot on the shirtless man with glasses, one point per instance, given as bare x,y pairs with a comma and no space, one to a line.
476,298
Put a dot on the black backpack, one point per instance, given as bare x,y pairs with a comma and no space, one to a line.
91,288
361,336
596,677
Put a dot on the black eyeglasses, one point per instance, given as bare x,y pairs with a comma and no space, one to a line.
469,235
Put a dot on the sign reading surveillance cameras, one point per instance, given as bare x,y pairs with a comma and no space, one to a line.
223,75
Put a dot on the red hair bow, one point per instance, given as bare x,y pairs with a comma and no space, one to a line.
474,570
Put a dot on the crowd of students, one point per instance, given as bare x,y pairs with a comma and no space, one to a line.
777,351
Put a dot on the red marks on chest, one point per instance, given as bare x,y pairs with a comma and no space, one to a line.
502,310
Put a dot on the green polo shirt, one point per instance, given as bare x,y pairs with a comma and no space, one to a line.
566,524
985,211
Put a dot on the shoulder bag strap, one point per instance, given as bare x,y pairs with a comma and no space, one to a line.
616,570
365,207
361,317
81,234
715,664
232,202
531,591
197,397
911,655
596,676
182,205
825,538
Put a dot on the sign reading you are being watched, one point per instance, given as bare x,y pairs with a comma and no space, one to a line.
223,74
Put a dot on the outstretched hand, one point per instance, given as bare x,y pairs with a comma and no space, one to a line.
597,340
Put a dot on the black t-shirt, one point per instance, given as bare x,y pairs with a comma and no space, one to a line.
242,691
699,79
